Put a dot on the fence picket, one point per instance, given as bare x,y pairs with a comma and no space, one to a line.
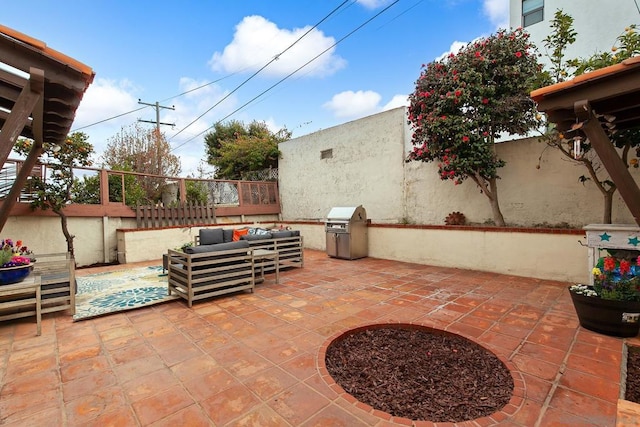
183,213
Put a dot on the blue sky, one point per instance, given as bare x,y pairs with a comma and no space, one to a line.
154,51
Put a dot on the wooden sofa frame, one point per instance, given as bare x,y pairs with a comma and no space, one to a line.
290,251
208,274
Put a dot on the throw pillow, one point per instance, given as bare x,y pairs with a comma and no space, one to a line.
238,233
211,236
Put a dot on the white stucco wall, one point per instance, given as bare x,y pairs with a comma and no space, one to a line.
597,22
365,168
368,169
95,238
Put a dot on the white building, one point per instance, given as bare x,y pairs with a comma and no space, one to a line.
598,23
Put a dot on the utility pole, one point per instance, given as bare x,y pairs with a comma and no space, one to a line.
157,106
157,122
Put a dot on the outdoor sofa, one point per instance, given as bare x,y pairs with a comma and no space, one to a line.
206,271
287,243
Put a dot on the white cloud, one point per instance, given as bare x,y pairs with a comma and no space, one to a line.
257,41
454,48
105,99
396,101
373,4
354,104
498,12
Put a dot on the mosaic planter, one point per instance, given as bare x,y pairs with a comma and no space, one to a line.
9,275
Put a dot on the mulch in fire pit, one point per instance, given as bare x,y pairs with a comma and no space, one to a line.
632,391
419,373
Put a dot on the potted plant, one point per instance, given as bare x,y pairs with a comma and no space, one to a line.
16,261
611,305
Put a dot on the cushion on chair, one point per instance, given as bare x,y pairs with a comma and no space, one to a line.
200,249
256,237
227,234
281,234
211,236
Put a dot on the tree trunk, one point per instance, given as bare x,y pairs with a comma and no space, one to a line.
608,206
495,206
65,230
490,189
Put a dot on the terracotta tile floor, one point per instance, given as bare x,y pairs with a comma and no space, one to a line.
252,359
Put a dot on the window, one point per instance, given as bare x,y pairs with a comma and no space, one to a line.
326,154
532,11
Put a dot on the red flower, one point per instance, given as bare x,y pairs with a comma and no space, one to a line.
477,54
609,263
465,139
485,100
625,266
458,92
518,54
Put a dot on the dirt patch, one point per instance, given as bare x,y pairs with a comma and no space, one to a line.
632,391
420,373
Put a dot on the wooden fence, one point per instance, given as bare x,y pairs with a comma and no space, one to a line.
182,214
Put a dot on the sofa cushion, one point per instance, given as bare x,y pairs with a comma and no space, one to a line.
256,237
281,234
227,233
211,236
238,233
200,249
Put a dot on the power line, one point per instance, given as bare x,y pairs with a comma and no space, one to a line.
288,75
275,58
164,100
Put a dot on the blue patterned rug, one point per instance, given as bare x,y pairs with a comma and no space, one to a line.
113,291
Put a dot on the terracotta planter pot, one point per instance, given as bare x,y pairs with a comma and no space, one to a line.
608,317
9,275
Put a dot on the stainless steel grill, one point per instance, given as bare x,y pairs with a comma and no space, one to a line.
346,232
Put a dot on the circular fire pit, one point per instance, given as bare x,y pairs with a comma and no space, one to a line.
419,373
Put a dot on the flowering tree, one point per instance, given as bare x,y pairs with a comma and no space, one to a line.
462,103
54,191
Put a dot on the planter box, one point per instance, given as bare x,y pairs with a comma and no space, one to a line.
608,317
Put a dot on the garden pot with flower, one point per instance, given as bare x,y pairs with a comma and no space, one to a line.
612,305
16,262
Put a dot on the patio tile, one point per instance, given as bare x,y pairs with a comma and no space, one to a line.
262,416
598,411
20,406
192,416
94,404
298,403
270,382
252,358
147,385
162,404
229,404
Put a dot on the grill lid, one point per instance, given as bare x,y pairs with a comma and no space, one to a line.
346,213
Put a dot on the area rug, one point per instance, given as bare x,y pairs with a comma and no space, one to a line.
113,291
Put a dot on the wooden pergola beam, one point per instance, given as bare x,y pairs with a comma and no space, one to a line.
609,157
31,93
30,102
